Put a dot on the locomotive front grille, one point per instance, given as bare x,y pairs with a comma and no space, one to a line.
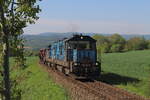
86,69
86,65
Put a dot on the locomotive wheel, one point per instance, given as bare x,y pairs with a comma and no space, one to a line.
55,66
48,64
52,65
67,71
63,70
59,67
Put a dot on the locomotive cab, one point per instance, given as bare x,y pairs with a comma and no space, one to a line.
81,50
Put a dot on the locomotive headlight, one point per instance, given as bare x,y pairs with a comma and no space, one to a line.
96,63
75,64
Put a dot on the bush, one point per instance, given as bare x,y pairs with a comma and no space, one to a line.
136,43
116,48
116,43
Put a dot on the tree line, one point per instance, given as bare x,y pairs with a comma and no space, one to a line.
117,43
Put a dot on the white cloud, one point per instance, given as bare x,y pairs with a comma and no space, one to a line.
47,25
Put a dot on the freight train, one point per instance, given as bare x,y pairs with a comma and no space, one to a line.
76,56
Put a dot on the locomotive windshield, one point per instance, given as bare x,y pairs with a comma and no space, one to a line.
80,45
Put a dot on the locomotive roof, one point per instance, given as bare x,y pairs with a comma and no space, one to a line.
80,37
77,38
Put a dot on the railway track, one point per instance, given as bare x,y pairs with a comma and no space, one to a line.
95,90
115,93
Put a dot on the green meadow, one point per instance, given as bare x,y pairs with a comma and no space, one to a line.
130,71
36,84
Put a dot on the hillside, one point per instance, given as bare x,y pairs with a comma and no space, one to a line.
42,40
35,42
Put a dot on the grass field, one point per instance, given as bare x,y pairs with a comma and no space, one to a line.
36,84
130,70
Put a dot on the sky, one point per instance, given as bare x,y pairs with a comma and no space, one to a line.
96,16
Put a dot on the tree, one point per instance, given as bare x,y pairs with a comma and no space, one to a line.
148,44
14,16
117,43
103,44
137,43
116,48
1,87
101,39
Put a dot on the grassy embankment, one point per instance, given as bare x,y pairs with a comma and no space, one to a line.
36,84
130,71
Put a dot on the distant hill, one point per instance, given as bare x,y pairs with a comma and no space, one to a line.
42,40
147,37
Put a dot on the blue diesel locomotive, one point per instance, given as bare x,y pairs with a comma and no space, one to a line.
76,55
